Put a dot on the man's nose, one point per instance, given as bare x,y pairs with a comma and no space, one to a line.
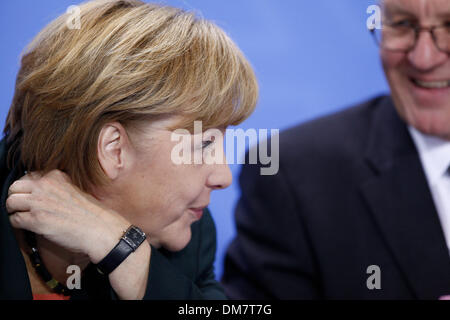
426,56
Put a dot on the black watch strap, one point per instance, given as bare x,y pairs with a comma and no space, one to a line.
129,242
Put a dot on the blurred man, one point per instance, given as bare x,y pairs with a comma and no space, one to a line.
361,205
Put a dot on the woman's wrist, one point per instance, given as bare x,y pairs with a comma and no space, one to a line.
103,241
129,279
129,243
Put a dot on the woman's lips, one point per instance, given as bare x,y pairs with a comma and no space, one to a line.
197,212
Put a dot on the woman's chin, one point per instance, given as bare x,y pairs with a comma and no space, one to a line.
178,241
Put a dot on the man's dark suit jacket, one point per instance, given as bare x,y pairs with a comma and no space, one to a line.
188,274
350,193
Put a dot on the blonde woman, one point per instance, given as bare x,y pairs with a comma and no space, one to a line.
86,169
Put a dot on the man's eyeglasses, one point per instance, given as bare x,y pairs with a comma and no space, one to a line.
402,36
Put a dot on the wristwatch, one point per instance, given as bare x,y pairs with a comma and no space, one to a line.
130,241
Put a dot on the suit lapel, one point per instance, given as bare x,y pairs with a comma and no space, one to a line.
403,208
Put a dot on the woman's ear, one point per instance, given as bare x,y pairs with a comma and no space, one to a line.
113,149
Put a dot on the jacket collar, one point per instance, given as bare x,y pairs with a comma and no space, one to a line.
402,205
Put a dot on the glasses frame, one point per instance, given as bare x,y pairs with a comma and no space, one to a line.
417,30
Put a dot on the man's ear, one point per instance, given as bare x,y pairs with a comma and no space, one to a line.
113,149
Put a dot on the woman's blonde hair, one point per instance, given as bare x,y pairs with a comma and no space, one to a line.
130,61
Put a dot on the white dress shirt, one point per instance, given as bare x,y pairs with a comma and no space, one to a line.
434,154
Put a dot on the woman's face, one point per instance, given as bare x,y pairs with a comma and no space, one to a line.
159,196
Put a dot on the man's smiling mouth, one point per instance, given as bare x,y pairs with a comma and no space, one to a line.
431,84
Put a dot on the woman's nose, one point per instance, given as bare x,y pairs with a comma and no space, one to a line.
220,177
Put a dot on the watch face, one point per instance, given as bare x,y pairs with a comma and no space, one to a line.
134,237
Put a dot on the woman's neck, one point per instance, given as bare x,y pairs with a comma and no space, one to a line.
55,258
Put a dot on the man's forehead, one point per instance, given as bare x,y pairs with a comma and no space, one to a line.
418,7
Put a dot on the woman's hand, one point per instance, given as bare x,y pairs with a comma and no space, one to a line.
51,206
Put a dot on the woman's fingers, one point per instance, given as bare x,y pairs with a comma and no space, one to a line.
22,220
23,185
19,196
50,205
18,202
